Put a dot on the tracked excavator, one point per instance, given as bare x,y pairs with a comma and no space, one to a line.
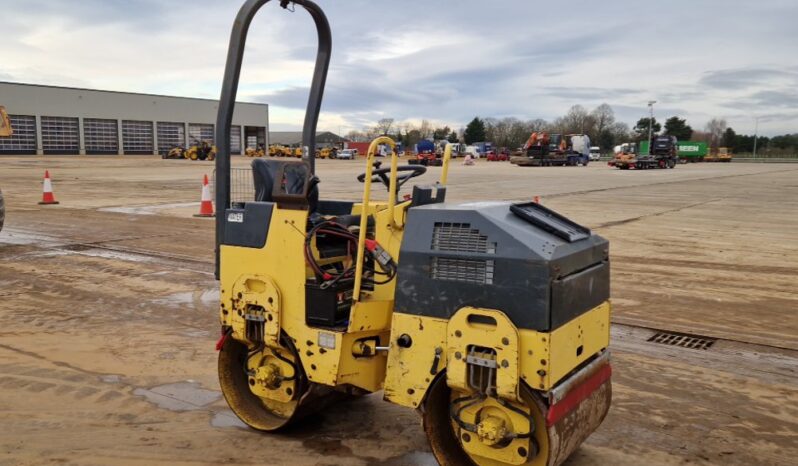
491,318
5,131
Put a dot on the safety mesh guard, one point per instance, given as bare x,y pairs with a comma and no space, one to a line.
242,186
462,270
460,237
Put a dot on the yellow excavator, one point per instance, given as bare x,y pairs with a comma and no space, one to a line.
491,319
5,131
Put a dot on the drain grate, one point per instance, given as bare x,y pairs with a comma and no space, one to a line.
684,340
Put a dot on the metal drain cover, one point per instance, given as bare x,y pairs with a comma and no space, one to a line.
683,339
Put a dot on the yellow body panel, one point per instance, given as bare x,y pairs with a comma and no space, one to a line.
409,369
282,273
553,354
465,329
5,123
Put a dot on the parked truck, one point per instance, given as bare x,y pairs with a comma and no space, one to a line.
688,151
542,149
663,154
426,154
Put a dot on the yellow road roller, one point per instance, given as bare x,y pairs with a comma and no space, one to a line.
491,319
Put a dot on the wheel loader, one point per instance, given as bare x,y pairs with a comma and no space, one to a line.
491,319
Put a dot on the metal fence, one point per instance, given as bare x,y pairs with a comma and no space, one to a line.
242,187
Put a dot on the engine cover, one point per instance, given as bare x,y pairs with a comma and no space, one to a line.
537,267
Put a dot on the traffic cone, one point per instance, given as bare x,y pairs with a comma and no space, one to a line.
537,199
206,205
47,193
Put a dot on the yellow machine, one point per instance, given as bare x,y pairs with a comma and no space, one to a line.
720,154
323,153
5,131
203,150
252,152
492,318
5,123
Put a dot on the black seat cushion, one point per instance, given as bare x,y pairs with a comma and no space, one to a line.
295,176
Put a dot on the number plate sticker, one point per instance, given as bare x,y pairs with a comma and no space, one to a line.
235,217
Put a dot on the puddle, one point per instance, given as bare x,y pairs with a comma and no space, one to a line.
181,396
22,237
226,419
199,299
147,209
111,378
416,458
109,254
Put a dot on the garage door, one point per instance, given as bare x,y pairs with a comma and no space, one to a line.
199,132
137,137
60,135
101,136
170,135
23,141
235,140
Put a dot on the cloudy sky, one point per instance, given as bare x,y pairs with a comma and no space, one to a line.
442,60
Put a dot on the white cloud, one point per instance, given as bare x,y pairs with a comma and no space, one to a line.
444,61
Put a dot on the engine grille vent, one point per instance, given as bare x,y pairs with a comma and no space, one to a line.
462,270
684,340
460,237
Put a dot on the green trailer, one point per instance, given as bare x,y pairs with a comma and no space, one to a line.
688,151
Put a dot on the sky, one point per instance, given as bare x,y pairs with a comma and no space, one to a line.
444,60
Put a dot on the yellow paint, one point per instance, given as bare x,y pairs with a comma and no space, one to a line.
467,327
409,374
554,353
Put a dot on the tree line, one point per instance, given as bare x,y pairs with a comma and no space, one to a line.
600,124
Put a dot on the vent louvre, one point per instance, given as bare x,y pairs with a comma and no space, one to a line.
462,270
684,340
460,237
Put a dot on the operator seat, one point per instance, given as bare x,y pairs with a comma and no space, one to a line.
295,180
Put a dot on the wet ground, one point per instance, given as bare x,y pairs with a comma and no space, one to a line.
107,323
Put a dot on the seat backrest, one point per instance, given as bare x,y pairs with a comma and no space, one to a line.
289,184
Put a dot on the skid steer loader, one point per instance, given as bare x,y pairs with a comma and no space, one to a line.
489,318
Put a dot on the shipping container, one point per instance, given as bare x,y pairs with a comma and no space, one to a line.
690,151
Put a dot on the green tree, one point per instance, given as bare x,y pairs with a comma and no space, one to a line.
729,138
641,128
453,137
678,127
441,133
606,140
475,131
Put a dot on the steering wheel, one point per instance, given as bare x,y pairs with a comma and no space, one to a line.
379,174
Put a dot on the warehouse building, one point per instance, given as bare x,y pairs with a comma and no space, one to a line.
64,120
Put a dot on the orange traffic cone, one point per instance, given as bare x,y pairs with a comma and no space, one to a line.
47,194
537,199
206,205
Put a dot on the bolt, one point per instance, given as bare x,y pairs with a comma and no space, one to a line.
505,341
542,373
458,333
458,356
505,364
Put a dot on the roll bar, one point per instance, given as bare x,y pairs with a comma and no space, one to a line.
392,188
232,72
